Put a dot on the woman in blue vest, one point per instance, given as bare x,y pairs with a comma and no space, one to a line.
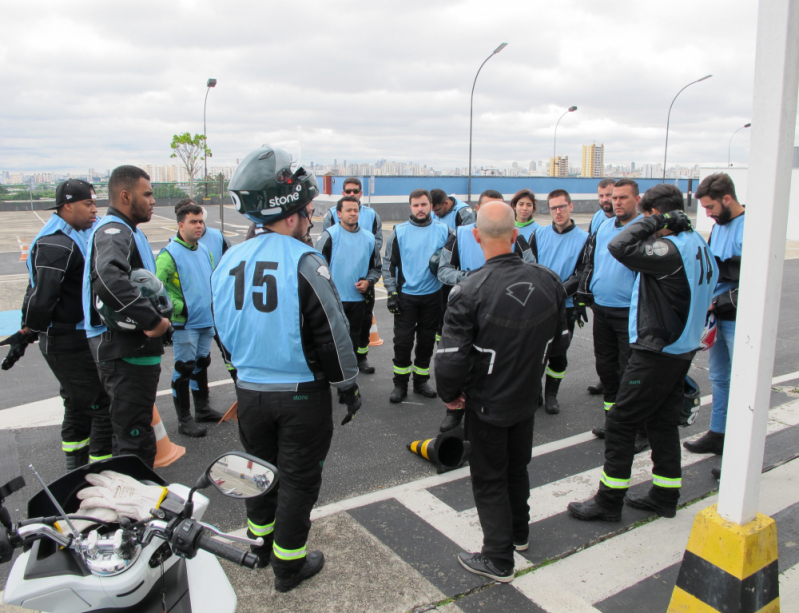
524,204
184,266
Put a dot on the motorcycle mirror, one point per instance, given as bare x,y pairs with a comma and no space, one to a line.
240,475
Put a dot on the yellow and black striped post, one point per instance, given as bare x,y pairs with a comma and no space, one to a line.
728,567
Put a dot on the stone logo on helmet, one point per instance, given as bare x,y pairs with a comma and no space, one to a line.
277,201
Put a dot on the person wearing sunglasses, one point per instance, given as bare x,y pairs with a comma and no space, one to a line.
368,219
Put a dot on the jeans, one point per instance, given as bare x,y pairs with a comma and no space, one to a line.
190,345
720,363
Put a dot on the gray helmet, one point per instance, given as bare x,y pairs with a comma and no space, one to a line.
265,187
150,287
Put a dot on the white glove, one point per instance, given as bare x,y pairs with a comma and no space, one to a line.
123,494
99,513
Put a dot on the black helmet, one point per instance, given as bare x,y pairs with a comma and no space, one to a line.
691,402
266,188
150,287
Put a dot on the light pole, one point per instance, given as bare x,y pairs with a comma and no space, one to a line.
471,108
555,143
211,83
668,119
729,147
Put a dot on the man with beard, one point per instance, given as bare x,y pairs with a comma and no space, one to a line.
716,194
129,359
369,220
414,294
449,210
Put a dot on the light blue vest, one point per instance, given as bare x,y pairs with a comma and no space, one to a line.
560,252
215,242
469,250
417,244
349,260
725,242
145,252
53,225
702,273
449,219
612,282
257,309
528,230
194,272
366,217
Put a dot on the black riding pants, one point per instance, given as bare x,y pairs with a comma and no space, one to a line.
611,350
354,312
418,320
291,430
365,326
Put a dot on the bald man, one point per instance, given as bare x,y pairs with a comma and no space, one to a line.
489,361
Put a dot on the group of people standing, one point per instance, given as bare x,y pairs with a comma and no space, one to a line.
494,294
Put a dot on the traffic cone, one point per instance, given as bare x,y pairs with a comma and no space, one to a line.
447,451
167,452
23,256
374,337
232,413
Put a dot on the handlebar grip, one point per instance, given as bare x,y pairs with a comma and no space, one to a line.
228,552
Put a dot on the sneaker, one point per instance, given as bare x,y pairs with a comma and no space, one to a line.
479,564
521,546
645,502
591,510
314,561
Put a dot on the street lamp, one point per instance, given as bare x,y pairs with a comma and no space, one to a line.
211,83
471,107
555,143
729,147
668,119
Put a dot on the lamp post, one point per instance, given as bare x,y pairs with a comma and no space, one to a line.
729,147
471,108
555,143
668,119
211,83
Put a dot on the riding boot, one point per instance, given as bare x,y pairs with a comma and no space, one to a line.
551,395
202,411
182,399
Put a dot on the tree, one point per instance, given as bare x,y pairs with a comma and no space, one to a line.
191,152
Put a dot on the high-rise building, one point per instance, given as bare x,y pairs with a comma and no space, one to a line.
559,166
593,161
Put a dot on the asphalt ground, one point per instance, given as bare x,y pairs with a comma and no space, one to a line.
367,455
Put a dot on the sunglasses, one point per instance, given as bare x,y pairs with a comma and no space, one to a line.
352,191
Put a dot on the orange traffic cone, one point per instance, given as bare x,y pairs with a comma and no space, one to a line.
374,337
23,256
232,413
167,451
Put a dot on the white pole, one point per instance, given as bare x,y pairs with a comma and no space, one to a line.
769,182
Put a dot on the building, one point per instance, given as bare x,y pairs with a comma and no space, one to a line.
593,161
559,166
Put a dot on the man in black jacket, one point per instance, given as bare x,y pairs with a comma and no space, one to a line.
53,310
129,362
501,322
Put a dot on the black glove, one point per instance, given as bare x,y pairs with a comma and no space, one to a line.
676,221
167,337
580,314
584,299
394,304
352,398
18,341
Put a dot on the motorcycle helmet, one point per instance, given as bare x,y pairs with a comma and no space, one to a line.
150,287
269,185
691,402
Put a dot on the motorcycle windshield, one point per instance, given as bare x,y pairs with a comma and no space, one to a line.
66,488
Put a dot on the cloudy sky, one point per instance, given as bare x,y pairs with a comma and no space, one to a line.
96,83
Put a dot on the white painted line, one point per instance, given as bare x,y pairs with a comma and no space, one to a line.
606,569
40,219
789,590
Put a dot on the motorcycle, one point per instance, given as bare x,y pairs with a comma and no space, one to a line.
164,563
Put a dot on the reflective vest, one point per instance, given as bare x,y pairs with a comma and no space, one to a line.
349,260
215,242
612,282
417,244
727,241
560,252
469,251
194,274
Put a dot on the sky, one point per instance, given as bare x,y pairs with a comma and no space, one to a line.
96,84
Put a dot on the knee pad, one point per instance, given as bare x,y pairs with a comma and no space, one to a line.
203,363
185,368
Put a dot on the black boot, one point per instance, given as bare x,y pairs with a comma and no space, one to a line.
599,432
202,411
400,391
365,367
77,459
423,388
641,442
452,420
551,395
711,442
591,510
182,399
314,561
596,389
644,502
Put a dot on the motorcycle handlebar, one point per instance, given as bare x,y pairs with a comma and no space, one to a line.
228,552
